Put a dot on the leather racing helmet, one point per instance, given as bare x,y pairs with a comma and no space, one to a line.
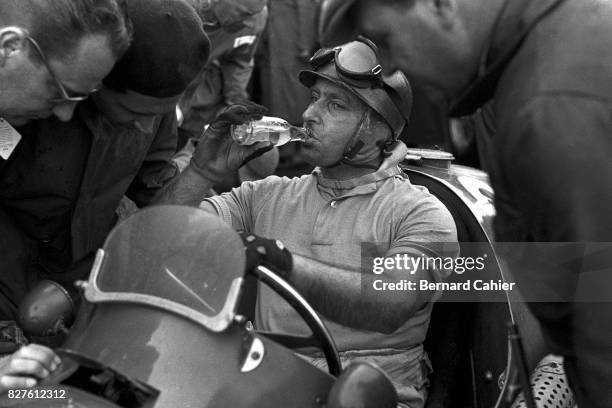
355,66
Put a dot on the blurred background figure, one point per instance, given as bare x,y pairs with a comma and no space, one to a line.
537,76
234,28
287,43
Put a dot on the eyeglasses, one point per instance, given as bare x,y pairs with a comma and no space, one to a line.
356,60
65,96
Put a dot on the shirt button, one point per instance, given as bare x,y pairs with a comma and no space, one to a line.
333,204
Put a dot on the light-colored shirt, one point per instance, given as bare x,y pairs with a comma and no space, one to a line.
341,223
345,224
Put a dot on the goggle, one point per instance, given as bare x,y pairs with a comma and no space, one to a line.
356,61
64,95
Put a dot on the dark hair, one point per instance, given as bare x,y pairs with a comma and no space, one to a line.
59,25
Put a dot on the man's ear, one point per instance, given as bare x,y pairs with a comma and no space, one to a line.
12,40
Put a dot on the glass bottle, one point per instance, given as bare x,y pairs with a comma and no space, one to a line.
275,130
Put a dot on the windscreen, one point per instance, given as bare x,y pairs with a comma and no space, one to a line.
177,253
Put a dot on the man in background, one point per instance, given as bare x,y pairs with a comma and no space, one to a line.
52,55
60,187
234,28
546,69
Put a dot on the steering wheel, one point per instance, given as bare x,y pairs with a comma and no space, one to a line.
320,337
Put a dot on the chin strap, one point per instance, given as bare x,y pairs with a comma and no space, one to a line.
352,152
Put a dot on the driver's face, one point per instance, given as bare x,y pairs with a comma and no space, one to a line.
333,117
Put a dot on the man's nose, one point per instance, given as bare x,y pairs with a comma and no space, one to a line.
310,114
64,110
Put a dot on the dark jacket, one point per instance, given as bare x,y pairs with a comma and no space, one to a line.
552,106
61,186
549,72
234,54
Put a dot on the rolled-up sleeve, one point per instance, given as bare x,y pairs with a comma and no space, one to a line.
236,206
429,229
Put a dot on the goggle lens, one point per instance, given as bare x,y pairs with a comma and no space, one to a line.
354,60
357,58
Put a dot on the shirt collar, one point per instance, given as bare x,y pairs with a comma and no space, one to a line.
358,185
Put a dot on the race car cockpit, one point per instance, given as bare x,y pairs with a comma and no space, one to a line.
159,327
163,322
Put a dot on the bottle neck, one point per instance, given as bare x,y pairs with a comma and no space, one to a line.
297,133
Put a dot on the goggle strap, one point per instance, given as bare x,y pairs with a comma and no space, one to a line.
354,150
362,166
322,57
367,42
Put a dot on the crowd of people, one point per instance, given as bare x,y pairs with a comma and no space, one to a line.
89,95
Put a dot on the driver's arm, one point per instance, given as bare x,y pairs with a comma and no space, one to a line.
335,290
215,156
349,298
189,188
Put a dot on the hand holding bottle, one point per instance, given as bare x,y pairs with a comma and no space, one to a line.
216,154
237,114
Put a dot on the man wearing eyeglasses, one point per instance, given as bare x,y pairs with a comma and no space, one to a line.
354,207
52,55
48,63
61,184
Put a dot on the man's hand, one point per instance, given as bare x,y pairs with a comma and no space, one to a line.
216,154
268,252
237,114
25,367
237,99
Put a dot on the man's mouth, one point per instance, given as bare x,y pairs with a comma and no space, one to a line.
310,134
